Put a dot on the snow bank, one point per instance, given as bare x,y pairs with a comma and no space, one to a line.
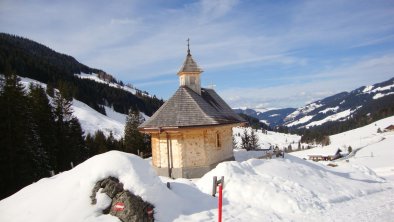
65,197
290,187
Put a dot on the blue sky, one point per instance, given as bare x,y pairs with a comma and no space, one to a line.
259,54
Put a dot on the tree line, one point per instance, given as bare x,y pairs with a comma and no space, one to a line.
39,134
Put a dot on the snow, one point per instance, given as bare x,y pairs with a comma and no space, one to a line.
372,149
288,189
95,78
360,188
65,197
303,110
291,188
265,122
300,121
379,89
367,89
333,117
267,140
91,120
334,109
380,95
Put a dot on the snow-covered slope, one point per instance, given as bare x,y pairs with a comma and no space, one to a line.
90,119
268,139
289,189
96,78
370,148
342,106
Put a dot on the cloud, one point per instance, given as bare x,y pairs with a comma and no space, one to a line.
295,45
323,84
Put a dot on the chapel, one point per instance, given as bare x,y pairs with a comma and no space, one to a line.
192,131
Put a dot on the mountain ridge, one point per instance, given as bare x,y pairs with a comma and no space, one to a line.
336,113
27,58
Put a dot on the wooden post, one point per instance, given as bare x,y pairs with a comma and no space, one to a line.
214,185
168,156
72,165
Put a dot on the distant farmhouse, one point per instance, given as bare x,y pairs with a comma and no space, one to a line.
192,131
389,128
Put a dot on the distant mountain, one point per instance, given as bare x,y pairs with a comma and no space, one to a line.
273,118
360,105
91,86
254,122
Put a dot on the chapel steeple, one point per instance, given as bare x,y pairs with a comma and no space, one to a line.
189,73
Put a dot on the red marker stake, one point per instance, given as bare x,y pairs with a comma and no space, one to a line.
220,202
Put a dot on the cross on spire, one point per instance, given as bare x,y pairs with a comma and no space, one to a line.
188,46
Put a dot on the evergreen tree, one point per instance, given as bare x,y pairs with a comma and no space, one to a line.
245,140
69,134
41,112
111,142
254,141
100,142
133,139
22,158
249,142
50,90
77,149
90,145
63,114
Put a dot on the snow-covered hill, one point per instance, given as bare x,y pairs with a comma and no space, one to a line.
91,120
255,190
369,148
95,77
342,106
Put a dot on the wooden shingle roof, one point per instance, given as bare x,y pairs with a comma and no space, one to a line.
189,65
186,108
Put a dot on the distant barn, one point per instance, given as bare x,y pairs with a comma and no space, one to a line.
389,128
192,131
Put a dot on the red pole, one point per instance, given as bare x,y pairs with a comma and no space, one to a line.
220,202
